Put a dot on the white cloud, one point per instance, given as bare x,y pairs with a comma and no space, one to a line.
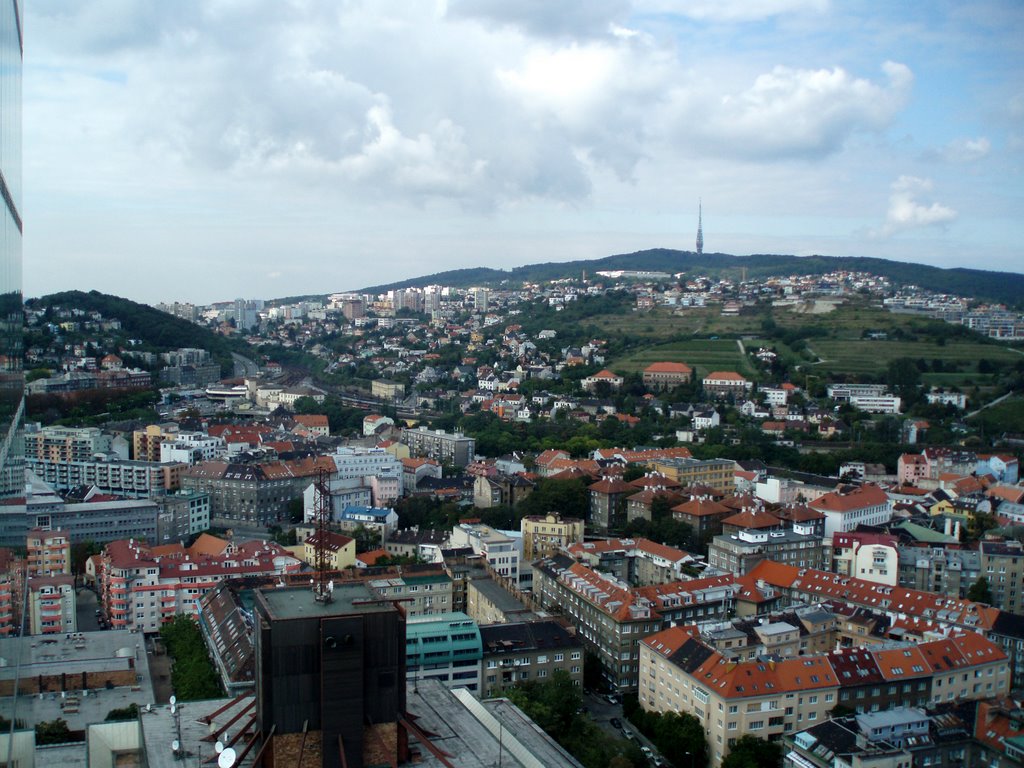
962,150
545,18
734,10
906,212
794,112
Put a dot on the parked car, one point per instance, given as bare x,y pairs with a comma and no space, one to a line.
616,723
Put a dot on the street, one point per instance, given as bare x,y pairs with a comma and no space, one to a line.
602,711
86,604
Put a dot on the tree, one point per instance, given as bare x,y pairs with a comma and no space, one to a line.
753,752
53,732
980,592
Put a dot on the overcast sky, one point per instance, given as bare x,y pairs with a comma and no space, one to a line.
211,149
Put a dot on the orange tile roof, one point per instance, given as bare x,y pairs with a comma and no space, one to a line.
670,640
867,495
725,376
669,368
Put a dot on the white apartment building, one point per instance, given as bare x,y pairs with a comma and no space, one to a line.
191,448
502,552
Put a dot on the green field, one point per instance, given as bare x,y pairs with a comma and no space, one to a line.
863,357
704,355
1007,416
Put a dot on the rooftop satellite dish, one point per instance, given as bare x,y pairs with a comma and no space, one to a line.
149,707
174,700
174,708
226,759
175,745
218,747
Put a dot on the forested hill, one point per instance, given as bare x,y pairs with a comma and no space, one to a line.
1005,287
157,330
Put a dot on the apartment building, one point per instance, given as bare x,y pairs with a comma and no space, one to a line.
850,506
920,613
531,650
340,551
141,587
252,493
146,442
611,617
544,535
769,697
132,479
751,536
941,570
639,561
422,590
608,503
499,550
1002,565
718,474
48,553
64,443
455,449
51,605
181,515
191,448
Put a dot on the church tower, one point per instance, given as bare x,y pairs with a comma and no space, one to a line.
700,229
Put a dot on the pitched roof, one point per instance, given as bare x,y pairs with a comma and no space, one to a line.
867,495
666,367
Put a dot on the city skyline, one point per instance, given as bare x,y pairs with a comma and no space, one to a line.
204,151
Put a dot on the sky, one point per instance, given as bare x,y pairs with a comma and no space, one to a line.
205,150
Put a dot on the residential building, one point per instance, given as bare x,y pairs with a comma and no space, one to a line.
771,697
942,570
524,651
750,536
141,587
703,514
146,442
190,448
666,375
850,506
455,449
501,551
98,521
51,605
252,493
870,556
423,590
608,503
133,479
614,381
380,519
611,618
490,602
48,553
421,544
1002,565
544,535
640,561
719,474
726,383
181,515
339,551
54,443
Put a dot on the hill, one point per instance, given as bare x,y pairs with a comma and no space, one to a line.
1004,287
157,330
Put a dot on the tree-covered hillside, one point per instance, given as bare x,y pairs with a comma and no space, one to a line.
157,330
1005,287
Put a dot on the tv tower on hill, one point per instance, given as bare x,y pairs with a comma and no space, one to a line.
700,229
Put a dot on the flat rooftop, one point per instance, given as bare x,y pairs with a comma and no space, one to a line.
299,603
46,656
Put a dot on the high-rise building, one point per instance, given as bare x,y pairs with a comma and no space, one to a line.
12,379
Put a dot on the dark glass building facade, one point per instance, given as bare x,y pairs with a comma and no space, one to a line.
12,380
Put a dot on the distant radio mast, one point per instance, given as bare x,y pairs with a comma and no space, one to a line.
700,229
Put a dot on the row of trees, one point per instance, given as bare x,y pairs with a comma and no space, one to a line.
555,705
192,675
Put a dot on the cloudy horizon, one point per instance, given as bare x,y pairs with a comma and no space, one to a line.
202,151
